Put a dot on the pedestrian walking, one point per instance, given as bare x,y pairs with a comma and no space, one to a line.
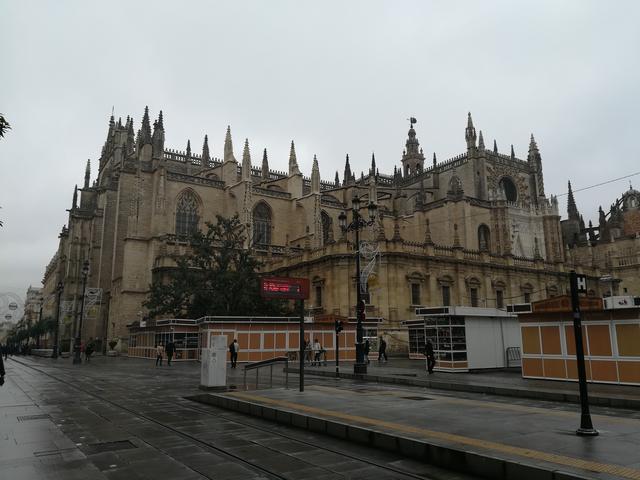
234,348
382,350
159,354
431,358
170,349
5,350
317,349
88,351
307,351
367,347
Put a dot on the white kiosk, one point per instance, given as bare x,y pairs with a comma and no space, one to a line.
464,338
213,367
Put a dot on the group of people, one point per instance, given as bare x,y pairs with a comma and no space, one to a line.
161,350
314,353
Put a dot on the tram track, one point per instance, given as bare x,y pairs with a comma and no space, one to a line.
207,445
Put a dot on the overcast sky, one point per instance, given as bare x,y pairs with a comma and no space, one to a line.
335,76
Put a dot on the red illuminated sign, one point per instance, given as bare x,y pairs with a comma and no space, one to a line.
283,287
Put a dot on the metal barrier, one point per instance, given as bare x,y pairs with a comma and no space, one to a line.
267,363
513,355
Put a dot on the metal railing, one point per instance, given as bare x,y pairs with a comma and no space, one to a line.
513,357
267,363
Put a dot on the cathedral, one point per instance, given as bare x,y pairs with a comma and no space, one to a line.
476,229
611,247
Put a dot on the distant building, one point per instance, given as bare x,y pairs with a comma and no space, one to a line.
476,229
32,305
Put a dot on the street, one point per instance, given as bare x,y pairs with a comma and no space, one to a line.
120,418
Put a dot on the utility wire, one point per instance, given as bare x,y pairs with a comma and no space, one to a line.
599,184
485,213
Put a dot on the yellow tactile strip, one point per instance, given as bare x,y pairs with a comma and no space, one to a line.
618,470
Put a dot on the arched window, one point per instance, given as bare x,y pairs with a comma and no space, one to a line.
510,190
187,214
484,238
327,227
262,224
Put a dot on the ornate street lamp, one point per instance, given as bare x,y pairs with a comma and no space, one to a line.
358,222
59,290
76,348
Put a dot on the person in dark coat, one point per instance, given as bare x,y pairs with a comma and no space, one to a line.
233,348
382,350
88,351
170,349
367,347
431,358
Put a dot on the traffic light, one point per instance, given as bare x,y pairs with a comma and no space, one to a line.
339,326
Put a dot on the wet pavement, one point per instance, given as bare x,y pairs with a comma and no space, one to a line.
120,418
403,371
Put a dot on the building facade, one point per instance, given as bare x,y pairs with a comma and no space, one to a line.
612,247
475,230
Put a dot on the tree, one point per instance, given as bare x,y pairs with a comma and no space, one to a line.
217,277
4,126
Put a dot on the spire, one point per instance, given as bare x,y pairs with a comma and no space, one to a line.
572,210
144,134
315,176
228,147
293,161
265,165
131,139
87,174
206,158
513,155
495,146
534,153
246,162
157,139
373,164
337,180
412,157
74,203
346,180
435,161
427,234
480,141
470,133
188,150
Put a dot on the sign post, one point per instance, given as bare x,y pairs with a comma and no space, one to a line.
578,284
339,328
286,288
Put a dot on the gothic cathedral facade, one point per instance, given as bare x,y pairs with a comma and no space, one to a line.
476,229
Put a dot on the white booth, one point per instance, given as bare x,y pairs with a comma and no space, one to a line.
213,367
465,338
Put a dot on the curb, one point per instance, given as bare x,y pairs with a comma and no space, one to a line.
556,396
464,461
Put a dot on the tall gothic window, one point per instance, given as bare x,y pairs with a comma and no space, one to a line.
187,214
484,238
327,225
262,224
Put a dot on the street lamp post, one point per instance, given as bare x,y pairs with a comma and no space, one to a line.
76,348
358,223
59,289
